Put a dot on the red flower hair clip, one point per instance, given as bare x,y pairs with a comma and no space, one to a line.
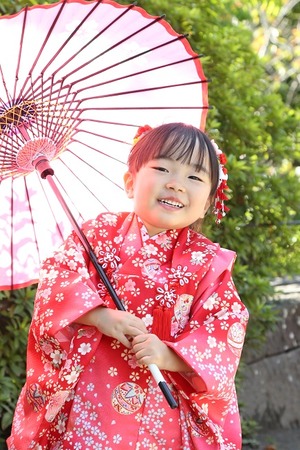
220,209
141,132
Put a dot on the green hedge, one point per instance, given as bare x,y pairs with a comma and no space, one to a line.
15,316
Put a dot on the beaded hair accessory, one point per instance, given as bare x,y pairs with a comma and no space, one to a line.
220,209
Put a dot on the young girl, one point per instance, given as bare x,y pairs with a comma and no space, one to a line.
88,383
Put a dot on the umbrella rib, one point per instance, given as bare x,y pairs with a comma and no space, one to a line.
129,76
180,37
44,43
63,117
131,58
10,146
69,39
130,108
109,123
128,8
54,97
20,50
32,220
99,151
81,182
5,87
157,19
52,211
54,114
92,167
142,72
136,91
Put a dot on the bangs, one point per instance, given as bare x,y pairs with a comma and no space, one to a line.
186,150
179,142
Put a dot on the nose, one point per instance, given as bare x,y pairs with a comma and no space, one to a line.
175,185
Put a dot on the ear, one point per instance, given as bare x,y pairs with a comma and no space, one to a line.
208,204
129,184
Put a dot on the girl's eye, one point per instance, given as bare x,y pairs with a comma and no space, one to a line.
161,169
194,177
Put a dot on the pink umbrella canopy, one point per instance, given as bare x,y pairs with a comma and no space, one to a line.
77,78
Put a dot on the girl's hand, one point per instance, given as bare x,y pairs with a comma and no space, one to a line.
149,349
120,325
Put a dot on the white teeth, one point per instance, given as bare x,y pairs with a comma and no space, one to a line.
171,203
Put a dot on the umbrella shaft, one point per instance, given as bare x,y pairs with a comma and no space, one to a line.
47,172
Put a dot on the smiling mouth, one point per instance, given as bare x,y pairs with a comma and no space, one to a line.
171,203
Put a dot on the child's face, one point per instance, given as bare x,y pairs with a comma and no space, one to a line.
168,194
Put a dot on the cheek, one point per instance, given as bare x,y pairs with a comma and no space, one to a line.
203,200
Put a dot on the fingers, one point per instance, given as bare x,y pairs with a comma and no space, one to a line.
120,325
147,348
124,340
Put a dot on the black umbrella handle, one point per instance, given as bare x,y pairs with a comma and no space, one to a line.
47,172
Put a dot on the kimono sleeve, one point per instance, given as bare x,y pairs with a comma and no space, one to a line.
66,290
211,345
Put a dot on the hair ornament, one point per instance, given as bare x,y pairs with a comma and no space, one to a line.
141,131
220,209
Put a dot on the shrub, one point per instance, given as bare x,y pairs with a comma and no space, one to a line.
15,316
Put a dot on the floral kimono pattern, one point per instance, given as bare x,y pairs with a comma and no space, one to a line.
86,391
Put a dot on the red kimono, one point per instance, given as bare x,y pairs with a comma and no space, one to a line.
85,390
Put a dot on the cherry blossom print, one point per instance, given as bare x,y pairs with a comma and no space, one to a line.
236,308
59,297
130,285
148,320
47,347
72,377
211,341
198,258
109,219
85,348
163,240
91,387
130,250
149,250
112,371
211,302
57,357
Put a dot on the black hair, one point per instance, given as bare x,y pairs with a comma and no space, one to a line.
178,141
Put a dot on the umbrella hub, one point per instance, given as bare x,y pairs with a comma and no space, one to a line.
33,151
23,112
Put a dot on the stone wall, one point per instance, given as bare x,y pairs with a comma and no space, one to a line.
270,391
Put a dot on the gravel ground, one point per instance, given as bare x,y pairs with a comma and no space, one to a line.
277,440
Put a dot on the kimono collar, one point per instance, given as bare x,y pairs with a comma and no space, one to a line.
183,247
